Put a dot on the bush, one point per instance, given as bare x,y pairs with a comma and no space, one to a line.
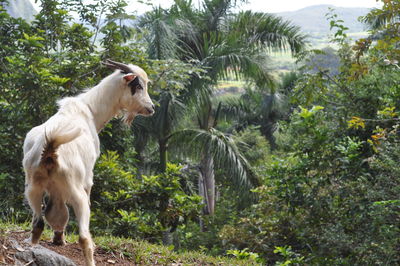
327,198
145,207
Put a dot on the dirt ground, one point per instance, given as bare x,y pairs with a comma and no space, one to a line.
70,250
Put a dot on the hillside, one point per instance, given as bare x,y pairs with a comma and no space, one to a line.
312,19
21,8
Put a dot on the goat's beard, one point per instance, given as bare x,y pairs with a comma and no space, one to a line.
128,117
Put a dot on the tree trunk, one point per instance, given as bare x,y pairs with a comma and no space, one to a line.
167,236
268,130
207,187
202,194
163,155
207,183
140,162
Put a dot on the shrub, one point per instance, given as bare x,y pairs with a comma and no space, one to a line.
126,205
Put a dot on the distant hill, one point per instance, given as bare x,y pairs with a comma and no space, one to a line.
312,19
21,9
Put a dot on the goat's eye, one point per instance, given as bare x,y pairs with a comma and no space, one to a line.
135,85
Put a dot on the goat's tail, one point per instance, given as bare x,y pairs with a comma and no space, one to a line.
54,139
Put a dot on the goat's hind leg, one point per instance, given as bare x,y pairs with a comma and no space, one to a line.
34,195
80,203
57,216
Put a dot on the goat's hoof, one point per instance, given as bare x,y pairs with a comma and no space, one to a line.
34,239
59,242
58,238
31,241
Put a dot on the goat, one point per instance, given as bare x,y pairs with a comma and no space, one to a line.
59,155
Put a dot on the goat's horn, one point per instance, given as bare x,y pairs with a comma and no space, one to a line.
116,65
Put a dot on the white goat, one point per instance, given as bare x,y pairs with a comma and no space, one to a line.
60,154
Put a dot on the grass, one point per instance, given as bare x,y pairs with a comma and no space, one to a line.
145,253
140,252
226,84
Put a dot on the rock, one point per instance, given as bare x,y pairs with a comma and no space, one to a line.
39,256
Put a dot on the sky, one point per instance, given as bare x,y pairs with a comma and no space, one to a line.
270,6
274,6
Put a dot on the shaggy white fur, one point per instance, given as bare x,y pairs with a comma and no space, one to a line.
59,155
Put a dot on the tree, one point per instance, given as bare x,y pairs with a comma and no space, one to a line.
34,75
336,160
221,42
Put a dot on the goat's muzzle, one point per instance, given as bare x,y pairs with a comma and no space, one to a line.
150,110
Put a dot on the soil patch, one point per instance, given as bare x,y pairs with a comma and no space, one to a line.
70,250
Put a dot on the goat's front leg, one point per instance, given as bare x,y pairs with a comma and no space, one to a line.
80,204
56,214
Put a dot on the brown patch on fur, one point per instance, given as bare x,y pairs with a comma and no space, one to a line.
84,242
49,156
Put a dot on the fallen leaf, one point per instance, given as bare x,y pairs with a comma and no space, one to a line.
20,249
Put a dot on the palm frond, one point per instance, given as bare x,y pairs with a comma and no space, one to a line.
214,12
269,31
161,35
377,18
223,149
234,108
273,105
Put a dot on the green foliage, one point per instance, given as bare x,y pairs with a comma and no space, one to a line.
289,256
143,207
316,181
337,24
330,192
52,58
243,254
206,237
252,145
224,151
37,68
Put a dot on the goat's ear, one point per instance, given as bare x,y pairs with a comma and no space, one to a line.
129,77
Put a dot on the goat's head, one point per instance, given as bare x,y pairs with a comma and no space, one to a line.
135,99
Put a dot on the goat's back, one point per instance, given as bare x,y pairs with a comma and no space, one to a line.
64,147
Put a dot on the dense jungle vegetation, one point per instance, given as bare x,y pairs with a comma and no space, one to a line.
299,168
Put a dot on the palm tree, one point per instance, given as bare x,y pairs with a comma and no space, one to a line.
261,107
160,126
221,42
213,148
377,19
